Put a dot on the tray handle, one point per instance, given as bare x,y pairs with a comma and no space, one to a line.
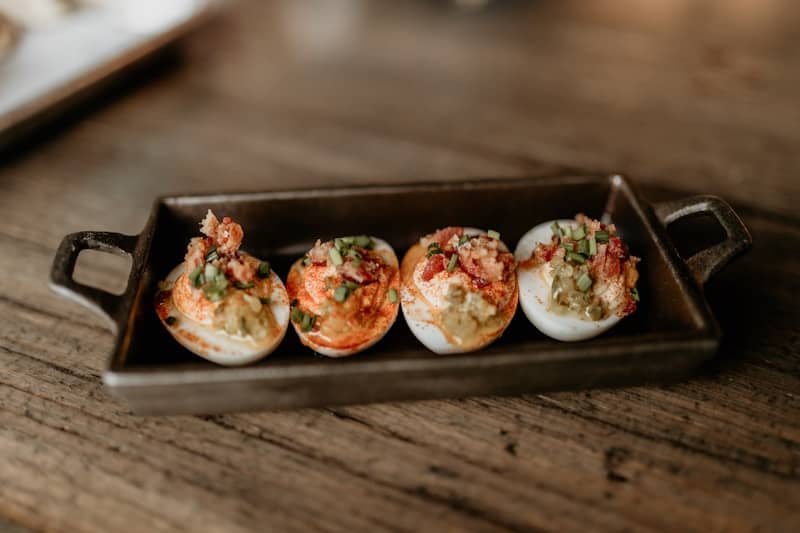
707,262
71,246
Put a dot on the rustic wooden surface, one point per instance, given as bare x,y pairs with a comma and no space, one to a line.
686,96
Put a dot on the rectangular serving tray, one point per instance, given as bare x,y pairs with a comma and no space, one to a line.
670,335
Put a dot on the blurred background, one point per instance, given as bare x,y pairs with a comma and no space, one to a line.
146,97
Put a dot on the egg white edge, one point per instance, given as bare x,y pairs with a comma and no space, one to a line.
380,245
250,351
534,292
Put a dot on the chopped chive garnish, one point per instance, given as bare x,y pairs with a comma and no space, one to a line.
635,294
567,232
336,257
306,260
240,285
212,254
453,262
493,234
211,272
194,277
263,269
578,258
340,245
351,285
592,245
557,231
213,294
393,295
584,282
341,293
264,301
297,315
463,239
308,322
348,240
357,262
579,233
364,241
170,320
568,245
583,247
601,236
354,254
220,282
433,249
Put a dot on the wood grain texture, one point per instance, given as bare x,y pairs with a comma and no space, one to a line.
681,96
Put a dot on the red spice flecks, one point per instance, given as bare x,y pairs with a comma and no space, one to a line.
630,307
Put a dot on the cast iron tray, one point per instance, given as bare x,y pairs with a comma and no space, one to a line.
670,335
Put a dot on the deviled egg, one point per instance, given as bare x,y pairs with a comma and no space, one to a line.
576,278
459,289
344,294
221,303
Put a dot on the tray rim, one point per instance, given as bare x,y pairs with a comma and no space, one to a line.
704,337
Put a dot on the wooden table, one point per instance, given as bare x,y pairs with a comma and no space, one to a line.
682,96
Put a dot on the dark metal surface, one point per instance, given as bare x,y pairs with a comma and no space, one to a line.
670,335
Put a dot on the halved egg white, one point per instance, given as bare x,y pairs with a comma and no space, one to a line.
534,292
420,307
201,338
327,346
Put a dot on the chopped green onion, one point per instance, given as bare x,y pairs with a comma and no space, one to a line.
463,239
297,314
194,277
336,257
433,248
212,254
557,231
307,322
579,233
453,262
592,245
340,244
393,295
635,294
220,282
493,234
264,301
364,241
568,245
212,294
170,320
348,240
351,285
341,293
578,258
584,282
583,247
601,236
240,285
306,260
353,253
567,232
211,272
263,269
357,262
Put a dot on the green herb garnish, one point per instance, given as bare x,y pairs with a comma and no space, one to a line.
601,236
194,277
557,231
433,248
340,294
463,239
578,258
364,241
592,245
263,269
453,262
493,234
336,257
579,233
635,294
297,314
583,247
241,285
584,282
210,272
308,322
351,285
393,295
306,260
212,254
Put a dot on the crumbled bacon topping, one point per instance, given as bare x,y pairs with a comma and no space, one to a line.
226,238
